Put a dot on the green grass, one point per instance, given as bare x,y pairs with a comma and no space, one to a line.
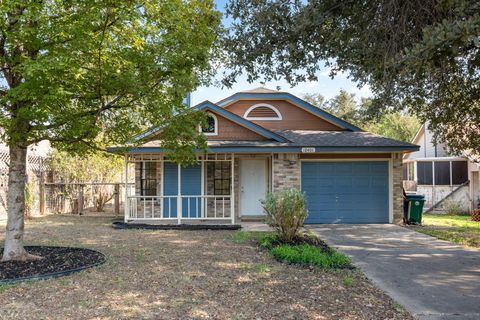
307,254
348,281
5,286
303,254
241,236
455,228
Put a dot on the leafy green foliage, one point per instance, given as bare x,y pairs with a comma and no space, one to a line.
307,254
344,106
394,125
94,167
286,211
90,74
423,55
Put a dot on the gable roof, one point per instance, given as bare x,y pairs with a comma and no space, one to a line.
262,93
207,105
321,141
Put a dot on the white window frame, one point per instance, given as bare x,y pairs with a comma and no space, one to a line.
215,132
279,115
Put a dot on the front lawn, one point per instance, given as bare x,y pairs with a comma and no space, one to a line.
185,275
455,228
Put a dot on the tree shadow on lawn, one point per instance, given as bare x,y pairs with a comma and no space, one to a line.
186,274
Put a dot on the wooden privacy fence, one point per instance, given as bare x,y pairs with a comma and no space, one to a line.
80,198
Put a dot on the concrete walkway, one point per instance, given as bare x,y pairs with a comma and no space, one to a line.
433,279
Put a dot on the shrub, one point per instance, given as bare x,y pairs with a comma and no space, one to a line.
286,211
452,207
307,254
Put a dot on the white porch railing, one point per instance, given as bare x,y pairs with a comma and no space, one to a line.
206,207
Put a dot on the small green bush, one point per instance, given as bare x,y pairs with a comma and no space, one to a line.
348,281
307,254
286,211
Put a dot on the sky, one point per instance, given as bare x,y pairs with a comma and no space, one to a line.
325,85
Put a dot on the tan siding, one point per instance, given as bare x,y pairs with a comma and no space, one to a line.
229,130
294,117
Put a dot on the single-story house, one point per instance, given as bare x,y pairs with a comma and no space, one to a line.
438,175
261,141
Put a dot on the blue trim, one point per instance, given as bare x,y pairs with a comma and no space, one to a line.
207,105
279,149
288,96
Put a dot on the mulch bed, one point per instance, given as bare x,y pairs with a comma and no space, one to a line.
55,262
123,225
314,241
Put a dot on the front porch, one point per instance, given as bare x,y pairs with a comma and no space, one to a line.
211,191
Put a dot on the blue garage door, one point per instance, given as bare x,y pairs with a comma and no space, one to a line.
346,192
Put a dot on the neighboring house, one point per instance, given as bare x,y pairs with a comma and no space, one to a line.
36,158
261,141
433,172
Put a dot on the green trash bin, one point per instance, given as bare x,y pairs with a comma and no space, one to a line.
415,208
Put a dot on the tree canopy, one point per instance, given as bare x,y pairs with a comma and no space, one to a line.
424,55
393,124
86,74
89,74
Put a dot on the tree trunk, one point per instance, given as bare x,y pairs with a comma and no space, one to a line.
13,249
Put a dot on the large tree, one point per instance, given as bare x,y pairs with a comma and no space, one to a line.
395,125
421,54
86,74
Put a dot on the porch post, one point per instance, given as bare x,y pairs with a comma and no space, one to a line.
126,203
202,198
179,194
232,187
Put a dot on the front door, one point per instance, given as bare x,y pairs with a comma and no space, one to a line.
253,186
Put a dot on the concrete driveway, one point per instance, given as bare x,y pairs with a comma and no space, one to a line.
433,279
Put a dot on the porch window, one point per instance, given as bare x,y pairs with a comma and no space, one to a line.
222,178
442,173
148,178
425,173
459,172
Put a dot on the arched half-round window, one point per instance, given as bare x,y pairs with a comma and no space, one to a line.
211,128
262,111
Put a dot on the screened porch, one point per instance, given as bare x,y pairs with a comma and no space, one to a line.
167,192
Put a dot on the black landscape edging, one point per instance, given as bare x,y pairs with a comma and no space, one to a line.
145,226
59,273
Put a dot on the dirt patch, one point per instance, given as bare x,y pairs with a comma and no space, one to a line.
54,262
184,275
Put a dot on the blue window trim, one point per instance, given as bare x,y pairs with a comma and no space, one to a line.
288,96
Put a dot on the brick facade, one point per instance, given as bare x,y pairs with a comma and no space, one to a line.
286,171
397,176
